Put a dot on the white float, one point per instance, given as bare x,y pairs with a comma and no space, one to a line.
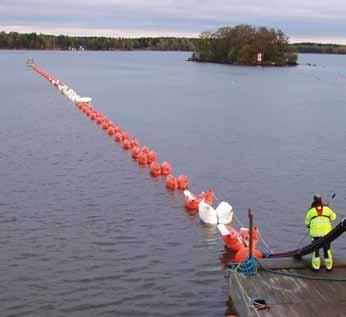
223,214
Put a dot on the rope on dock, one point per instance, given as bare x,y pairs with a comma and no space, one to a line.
254,303
304,276
248,267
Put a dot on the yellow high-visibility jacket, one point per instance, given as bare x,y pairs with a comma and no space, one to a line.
318,219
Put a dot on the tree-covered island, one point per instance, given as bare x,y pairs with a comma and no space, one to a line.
245,45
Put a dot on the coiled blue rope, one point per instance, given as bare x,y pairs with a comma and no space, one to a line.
248,267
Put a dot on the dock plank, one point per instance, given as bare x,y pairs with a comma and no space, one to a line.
290,296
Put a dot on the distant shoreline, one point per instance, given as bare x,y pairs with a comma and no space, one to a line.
45,42
148,50
90,50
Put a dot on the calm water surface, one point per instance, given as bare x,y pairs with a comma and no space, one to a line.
85,232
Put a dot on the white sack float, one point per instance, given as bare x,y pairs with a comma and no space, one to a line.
223,214
84,100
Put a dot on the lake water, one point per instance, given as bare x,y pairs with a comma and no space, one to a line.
84,231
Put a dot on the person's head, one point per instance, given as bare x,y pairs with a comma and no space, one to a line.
317,200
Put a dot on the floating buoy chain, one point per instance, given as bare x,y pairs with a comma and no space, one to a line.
142,155
146,157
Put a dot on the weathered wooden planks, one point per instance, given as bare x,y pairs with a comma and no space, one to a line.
290,296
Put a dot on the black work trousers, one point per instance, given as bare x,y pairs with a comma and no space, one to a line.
326,247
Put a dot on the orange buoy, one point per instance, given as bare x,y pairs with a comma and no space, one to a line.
233,239
92,116
110,131
238,242
171,182
243,253
208,197
166,168
135,152
245,235
105,125
135,142
152,156
126,135
88,113
145,149
117,129
142,158
98,120
191,203
127,145
118,137
183,182
155,169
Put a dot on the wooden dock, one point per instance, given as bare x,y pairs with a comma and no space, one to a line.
272,292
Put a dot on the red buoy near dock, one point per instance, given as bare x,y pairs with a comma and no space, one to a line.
192,204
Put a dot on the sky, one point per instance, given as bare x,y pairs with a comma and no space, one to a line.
301,20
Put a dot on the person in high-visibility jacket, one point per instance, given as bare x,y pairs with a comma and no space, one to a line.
318,220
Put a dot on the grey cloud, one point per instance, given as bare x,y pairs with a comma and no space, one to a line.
294,17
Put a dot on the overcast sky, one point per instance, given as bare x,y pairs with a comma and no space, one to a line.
301,20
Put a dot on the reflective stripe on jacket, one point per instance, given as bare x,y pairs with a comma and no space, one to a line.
319,221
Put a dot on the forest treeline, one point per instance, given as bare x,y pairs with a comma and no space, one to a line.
14,40
320,48
245,45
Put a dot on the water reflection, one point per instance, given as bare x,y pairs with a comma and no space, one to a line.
226,257
209,233
230,310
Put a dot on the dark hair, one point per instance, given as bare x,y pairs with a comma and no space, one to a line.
317,201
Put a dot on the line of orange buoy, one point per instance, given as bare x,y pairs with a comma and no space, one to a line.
147,157
143,155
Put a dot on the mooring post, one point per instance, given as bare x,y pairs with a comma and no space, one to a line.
250,231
